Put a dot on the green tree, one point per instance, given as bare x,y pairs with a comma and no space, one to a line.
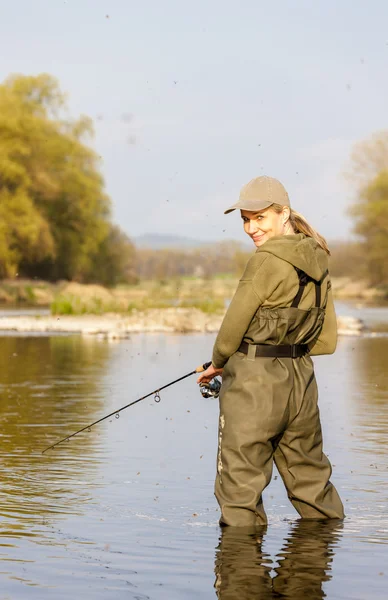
369,174
114,262
54,213
371,215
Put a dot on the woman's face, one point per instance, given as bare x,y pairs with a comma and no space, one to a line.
264,224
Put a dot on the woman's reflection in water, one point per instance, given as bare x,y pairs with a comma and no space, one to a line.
243,570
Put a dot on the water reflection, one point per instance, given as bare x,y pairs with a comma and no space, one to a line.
243,570
371,367
48,385
370,391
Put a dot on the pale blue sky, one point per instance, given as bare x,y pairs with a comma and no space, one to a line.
219,92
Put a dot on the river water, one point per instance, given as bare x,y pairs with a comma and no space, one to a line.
127,510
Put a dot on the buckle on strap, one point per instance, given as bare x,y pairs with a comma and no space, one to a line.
294,351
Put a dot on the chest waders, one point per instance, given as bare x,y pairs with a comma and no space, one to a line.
269,412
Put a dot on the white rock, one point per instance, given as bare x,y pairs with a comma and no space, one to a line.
348,325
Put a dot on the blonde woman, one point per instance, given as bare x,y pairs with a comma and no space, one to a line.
281,314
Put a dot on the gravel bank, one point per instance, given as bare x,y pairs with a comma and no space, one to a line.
116,326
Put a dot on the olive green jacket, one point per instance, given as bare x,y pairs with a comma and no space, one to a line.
260,308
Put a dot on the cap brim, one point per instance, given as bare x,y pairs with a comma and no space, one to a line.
251,205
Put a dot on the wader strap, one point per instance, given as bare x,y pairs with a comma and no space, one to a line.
303,281
318,290
280,351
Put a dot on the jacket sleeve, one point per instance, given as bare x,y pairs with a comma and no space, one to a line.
326,342
254,287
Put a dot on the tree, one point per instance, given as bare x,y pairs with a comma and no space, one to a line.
347,259
371,214
368,159
23,231
54,213
114,262
370,172
225,257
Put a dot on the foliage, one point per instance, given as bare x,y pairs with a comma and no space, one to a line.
371,215
206,305
114,262
369,172
211,295
54,213
347,260
368,159
207,261
74,305
65,304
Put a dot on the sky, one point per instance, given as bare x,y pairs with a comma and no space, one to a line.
191,100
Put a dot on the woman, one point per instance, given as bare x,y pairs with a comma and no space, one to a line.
281,313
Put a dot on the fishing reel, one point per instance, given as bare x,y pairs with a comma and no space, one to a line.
212,389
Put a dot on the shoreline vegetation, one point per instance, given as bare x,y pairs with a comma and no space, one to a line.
187,304
210,295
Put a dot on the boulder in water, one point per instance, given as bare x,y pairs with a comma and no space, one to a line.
348,325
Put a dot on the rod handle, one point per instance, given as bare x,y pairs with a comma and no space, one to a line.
203,367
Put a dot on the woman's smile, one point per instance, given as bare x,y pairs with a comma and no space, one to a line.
257,238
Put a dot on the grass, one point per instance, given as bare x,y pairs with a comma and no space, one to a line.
30,294
26,292
208,295
74,305
207,305
66,298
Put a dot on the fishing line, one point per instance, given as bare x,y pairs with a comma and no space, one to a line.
116,413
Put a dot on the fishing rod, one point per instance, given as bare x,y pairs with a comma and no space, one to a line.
116,413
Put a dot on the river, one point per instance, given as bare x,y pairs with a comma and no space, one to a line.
127,510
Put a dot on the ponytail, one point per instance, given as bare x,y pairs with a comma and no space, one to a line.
300,225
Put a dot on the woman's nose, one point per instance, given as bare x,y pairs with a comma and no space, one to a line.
252,226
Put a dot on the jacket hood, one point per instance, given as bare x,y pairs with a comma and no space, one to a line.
300,251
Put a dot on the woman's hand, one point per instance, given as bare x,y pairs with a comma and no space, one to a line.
209,374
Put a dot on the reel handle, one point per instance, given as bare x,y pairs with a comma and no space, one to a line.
203,367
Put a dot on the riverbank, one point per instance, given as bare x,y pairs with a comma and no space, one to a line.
345,288
208,295
115,326
170,306
71,298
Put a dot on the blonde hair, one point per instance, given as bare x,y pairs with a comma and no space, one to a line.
300,225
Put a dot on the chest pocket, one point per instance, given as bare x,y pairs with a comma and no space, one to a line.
289,324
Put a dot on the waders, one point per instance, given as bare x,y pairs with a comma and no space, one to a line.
269,413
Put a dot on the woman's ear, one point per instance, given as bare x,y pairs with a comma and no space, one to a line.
286,215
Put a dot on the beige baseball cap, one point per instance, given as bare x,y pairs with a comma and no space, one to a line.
260,193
